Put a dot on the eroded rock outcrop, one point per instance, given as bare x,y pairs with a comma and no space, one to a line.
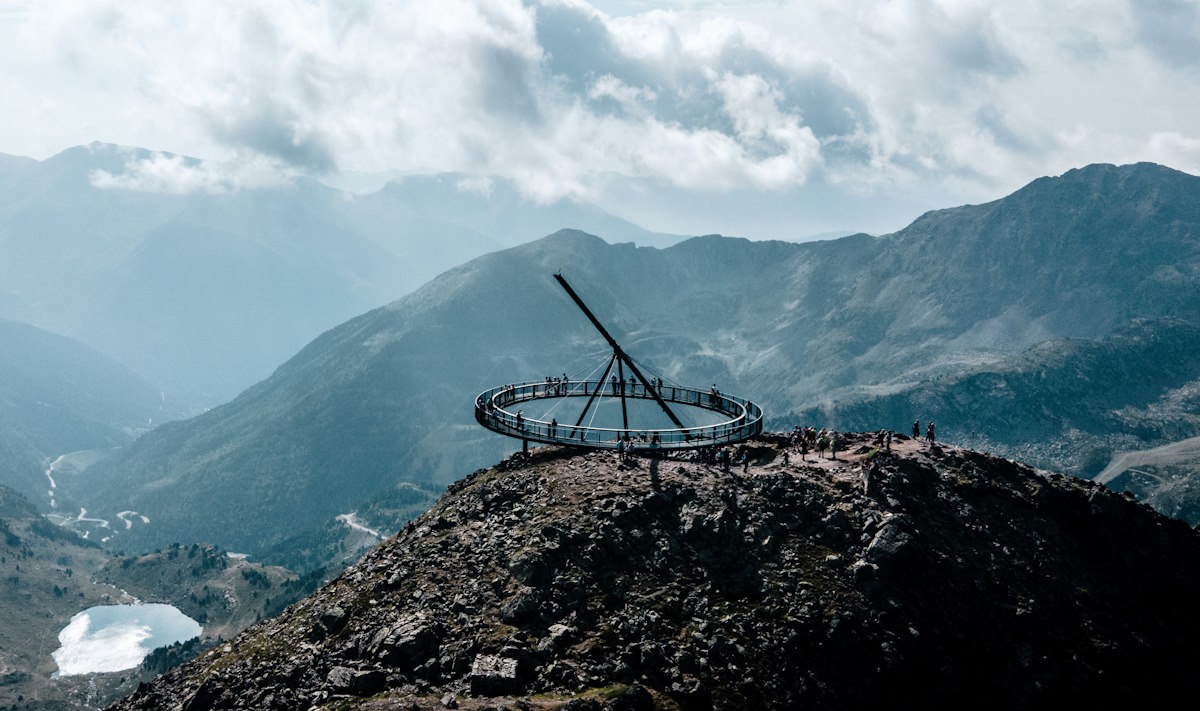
568,580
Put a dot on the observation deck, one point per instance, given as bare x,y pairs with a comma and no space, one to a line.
494,409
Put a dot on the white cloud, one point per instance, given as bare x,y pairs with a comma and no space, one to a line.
166,173
1176,150
634,99
966,97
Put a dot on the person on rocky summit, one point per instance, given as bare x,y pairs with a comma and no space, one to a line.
929,432
916,429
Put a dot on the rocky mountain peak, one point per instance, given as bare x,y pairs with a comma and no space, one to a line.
928,575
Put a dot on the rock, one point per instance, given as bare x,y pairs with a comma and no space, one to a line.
520,607
494,675
332,618
409,639
449,700
890,543
339,678
529,567
634,698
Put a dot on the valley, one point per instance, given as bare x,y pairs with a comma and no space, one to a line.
50,574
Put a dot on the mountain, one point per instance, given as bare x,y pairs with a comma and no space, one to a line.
207,291
927,576
806,330
58,396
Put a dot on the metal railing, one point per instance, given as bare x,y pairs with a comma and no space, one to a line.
492,411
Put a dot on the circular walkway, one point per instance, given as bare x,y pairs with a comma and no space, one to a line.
496,409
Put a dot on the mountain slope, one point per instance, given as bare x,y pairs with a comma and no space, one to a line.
957,579
59,396
798,327
206,291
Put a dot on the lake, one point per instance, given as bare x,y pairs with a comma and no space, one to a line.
112,638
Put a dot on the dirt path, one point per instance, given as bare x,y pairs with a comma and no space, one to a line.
1174,453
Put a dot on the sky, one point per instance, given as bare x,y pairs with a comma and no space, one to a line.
760,119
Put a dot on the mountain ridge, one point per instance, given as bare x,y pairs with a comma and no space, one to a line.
803,328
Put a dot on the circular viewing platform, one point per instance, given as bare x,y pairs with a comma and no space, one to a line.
494,409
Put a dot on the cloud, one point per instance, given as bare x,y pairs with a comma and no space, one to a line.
1170,30
958,97
176,175
1176,150
276,132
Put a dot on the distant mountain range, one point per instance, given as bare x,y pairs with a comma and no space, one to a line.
1097,271
205,293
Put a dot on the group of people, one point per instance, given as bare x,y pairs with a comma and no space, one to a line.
929,433
621,386
627,446
726,456
806,438
554,385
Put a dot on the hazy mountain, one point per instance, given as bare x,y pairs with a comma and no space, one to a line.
812,327
207,292
59,396
566,582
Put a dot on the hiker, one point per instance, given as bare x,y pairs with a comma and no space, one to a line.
929,432
834,442
621,450
803,449
916,429
888,441
822,443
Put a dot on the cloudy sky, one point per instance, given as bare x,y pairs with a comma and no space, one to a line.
763,119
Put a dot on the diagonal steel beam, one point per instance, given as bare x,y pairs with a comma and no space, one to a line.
620,354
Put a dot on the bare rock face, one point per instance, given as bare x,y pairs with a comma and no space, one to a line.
568,581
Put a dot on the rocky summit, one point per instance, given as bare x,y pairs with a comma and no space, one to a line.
927,576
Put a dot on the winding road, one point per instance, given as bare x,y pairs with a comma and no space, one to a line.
1173,453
